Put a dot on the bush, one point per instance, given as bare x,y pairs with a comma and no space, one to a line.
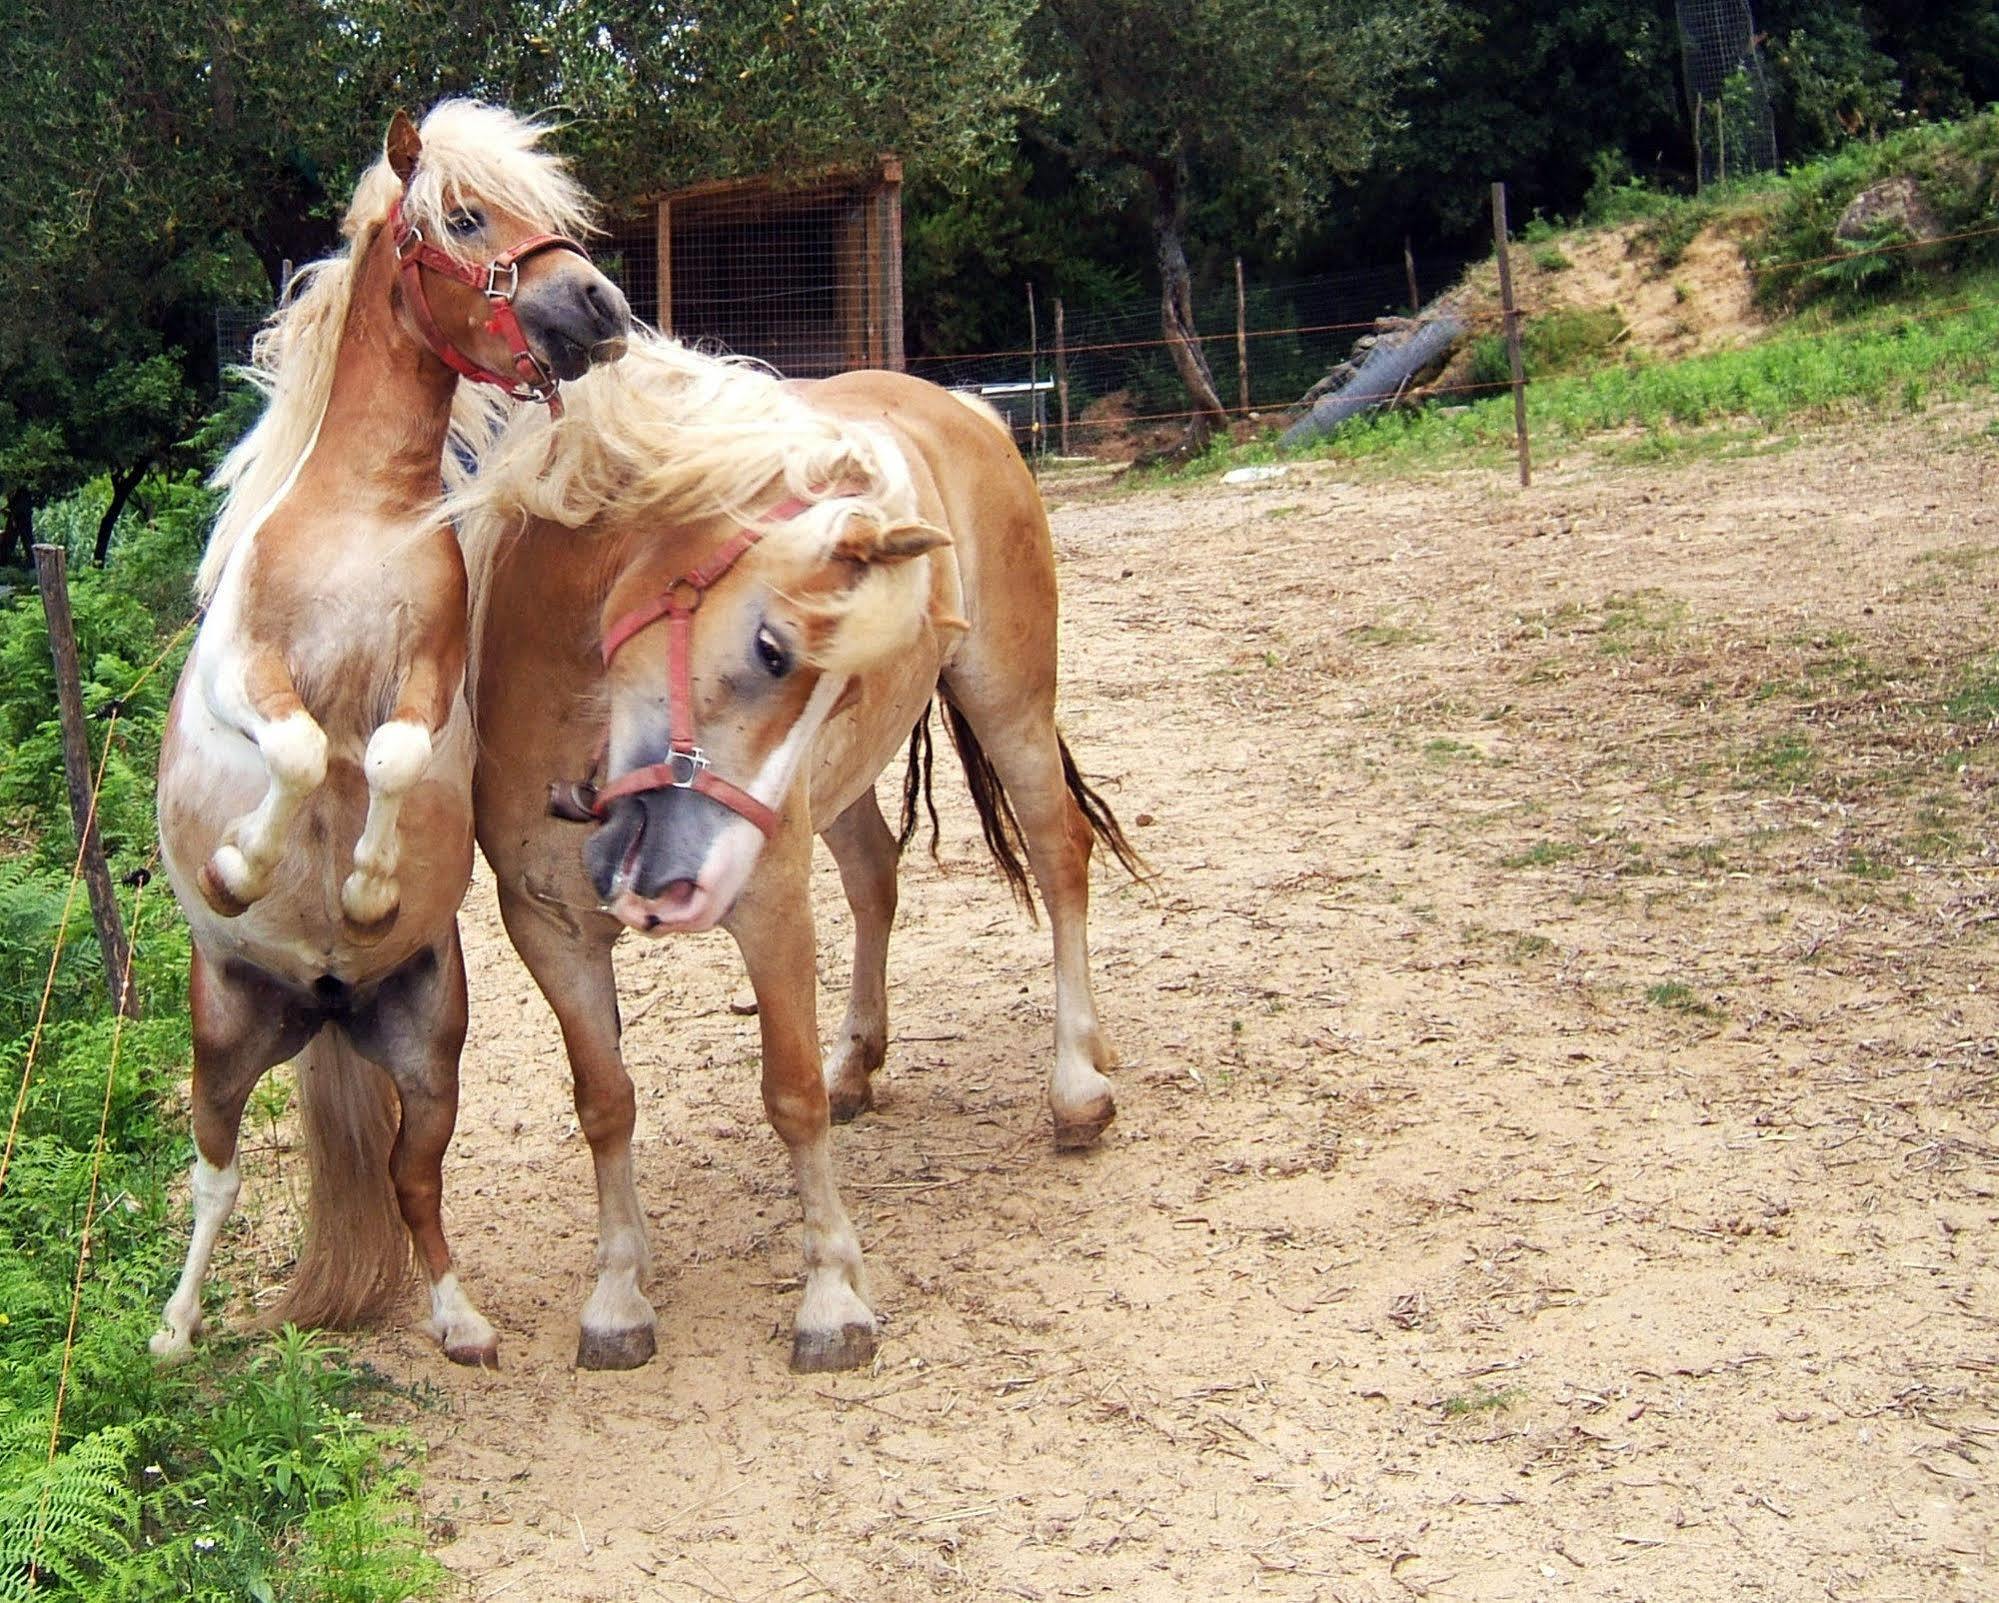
1956,166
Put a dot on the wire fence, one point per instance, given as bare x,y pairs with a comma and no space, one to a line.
1109,368
1728,94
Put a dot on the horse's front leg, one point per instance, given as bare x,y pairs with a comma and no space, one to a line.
255,696
772,923
572,965
398,754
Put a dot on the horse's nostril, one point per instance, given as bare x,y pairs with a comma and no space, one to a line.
606,306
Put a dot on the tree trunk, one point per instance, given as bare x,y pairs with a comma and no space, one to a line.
122,486
19,531
1176,306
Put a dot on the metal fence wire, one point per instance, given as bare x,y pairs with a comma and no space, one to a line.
1728,96
235,328
806,279
1119,368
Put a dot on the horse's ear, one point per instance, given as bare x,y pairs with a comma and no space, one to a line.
870,543
402,146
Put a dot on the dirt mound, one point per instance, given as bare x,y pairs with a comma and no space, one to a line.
1702,300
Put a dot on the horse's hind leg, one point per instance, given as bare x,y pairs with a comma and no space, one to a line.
573,969
772,924
415,1029
398,753
261,701
866,853
240,1030
1020,739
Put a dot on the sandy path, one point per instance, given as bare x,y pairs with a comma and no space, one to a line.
1557,1139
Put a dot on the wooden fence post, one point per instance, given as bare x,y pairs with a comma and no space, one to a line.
1409,268
1062,372
1242,337
1512,316
52,575
1034,419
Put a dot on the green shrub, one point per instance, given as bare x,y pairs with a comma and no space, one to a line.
1956,167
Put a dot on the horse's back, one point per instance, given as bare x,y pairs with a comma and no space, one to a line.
970,481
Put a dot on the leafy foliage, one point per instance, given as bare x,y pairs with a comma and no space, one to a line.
228,1478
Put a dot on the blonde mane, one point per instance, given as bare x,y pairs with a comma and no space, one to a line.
685,437
470,151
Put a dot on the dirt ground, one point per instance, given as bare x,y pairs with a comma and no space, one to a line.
1559,1125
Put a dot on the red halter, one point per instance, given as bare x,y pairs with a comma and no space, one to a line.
499,281
687,766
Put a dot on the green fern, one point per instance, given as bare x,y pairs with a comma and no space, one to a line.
70,1520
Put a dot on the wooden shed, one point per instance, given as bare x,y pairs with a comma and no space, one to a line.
805,275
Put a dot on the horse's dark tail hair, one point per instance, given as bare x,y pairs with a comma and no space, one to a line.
1002,828
916,785
1102,821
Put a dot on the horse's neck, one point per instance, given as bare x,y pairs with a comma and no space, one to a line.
390,405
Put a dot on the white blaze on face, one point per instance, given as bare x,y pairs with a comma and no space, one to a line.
733,852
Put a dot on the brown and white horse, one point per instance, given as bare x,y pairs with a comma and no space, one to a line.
315,784
770,582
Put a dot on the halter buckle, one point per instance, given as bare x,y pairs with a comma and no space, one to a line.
492,285
685,767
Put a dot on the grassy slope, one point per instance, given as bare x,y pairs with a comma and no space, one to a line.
1888,327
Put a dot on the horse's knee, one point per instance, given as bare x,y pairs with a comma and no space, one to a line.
294,750
398,753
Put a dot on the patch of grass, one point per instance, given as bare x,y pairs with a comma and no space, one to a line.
1721,444
1963,558
1527,947
1864,865
1637,617
1810,375
1976,700
1549,259
1444,750
1781,762
1386,634
1481,1400
1677,997
1542,854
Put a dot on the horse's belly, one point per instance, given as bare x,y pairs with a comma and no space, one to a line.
210,776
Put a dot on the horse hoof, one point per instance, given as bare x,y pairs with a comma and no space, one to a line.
474,1354
616,1349
846,1102
1079,1133
819,1352
217,895
172,1346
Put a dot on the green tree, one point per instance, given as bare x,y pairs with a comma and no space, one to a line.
1164,104
184,150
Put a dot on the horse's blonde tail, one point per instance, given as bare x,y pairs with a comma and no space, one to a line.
356,1259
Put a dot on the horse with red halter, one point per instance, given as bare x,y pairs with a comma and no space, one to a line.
767,583
315,782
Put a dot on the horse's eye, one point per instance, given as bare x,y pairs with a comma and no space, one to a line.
771,653
464,221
